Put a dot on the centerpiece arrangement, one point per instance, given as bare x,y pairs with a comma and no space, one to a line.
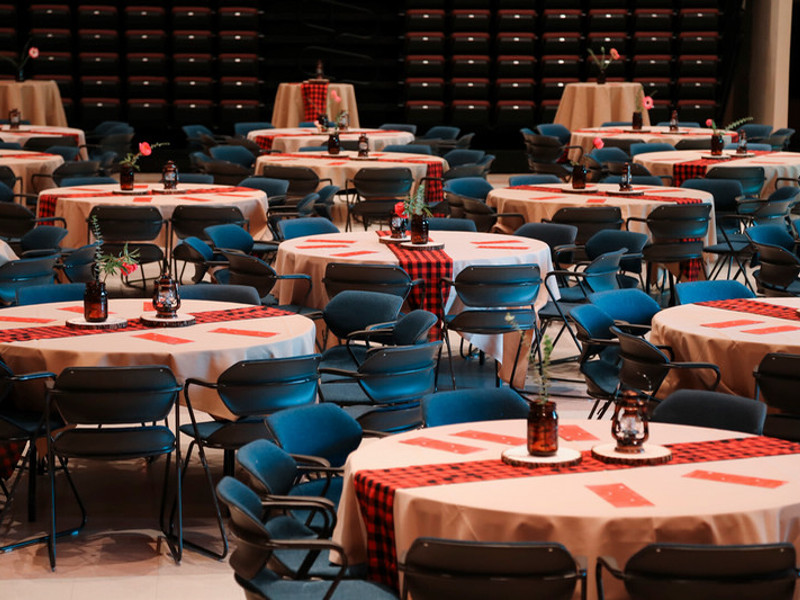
129,164
643,103
602,61
718,135
416,208
28,52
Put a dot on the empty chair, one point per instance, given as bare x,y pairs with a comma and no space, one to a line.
588,220
399,127
386,279
515,180
555,130
705,571
466,405
451,224
16,274
408,148
275,189
292,228
776,377
241,294
230,236
191,221
751,178
631,309
376,193
689,292
779,267
302,180
702,408
755,132
52,292
235,154
455,190
643,148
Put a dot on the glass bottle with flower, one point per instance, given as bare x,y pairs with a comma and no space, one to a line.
542,435
579,170
95,296
128,164
29,51
643,103
718,135
417,209
602,61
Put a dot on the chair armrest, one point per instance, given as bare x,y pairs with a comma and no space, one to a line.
634,328
60,220
338,372
200,382
611,565
794,180
32,376
637,219
377,434
699,365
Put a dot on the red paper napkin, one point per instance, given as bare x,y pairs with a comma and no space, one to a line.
736,323
503,247
147,306
142,199
440,445
354,253
312,247
497,438
734,478
164,339
323,241
575,433
244,332
776,329
26,319
619,495
595,200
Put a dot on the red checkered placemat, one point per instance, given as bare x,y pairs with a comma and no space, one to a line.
430,266
375,489
696,169
47,202
755,308
315,99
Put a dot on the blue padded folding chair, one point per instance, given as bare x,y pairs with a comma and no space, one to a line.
294,228
701,408
468,405
689,292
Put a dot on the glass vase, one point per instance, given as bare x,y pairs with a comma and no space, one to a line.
126,177
95,302
578,177
542,429
419,229
601,77
21,74
334,145
717,143
637,120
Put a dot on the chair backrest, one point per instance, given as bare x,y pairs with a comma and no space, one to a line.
78,265
589,220
302,180
228,236
464,406
751,178
275,189
661,571
15,220
751,147
355,310
191,221
468,187
498,286
115,395
609,240
725,191
195,178
82,181
323,430
123,223
555,129
646,147
410,128
27,271
644,366
629,305
602,273
244,269
451,224
43,237
689,292
268,468
755,131
678,222
480,213
223,171
399,374
395,182
604,155
533,179
386,279
241,294
40,143
263,386
80,168
552,234
543,148
462,156
701,143
702,408
65,152
51,292
777,377
438,568
293,228
245,127
234,153
441,132
408,148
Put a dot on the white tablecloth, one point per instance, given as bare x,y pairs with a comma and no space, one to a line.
707,334
75,204
25,132
589,104
25,164
199,350
562,508
39,101
294,138
288,108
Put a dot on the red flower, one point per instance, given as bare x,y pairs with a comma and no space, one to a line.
598,143
127,268
145,149
648,102
614,54
709,123
400,209
33,52
335,96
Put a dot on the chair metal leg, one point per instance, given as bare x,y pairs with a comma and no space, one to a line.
449,356
54,535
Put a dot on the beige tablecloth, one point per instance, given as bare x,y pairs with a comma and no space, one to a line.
38,100
25,164
194,351
589,104
776,164
288,108
301,256
75,204
585,137
561,508
25,132
293,138
736,349
536,205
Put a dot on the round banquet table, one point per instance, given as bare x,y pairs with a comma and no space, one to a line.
310,255
589,104
585,137
593,509
26,164
38,100
537,202
25,132
686,164
75,203
202,350
288,108
734,338
293,138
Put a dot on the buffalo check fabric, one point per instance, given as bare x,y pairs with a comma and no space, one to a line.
315,99
430,266
696,169
375,489
755,308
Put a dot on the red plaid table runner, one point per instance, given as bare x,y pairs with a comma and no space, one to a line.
430,266
315,99
47,202
375,489
265,141
696,169
10,453
755,308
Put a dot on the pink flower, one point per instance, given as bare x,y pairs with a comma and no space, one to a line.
598,143
400,209
145,149
33,52
709,123
614,54
335,95
648,102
